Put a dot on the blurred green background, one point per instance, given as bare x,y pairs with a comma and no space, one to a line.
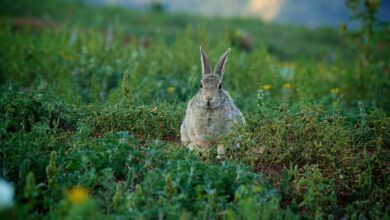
89,47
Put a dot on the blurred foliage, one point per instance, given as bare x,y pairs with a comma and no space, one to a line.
91,108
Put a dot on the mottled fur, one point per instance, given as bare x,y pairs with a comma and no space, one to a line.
211,113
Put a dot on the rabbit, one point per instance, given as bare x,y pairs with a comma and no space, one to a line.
211,113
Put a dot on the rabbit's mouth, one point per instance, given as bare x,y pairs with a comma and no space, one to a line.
211,104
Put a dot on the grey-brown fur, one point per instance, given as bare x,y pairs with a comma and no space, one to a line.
211,113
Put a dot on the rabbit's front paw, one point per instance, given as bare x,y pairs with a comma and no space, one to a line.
221,151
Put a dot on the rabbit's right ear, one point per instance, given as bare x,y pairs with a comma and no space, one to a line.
221,63
206,67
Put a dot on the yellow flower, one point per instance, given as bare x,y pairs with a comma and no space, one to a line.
286,85
171,89
66,56
334,90
266,87
77,195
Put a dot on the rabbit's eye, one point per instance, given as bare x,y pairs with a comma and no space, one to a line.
220,86
200,85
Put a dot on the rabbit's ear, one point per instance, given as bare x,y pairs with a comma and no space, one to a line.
221,63
206,67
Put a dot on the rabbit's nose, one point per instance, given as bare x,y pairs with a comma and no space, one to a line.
209,98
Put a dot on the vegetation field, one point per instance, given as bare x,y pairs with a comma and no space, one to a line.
92,98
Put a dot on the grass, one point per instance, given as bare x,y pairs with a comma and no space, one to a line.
91,111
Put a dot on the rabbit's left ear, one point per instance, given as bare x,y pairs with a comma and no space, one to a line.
219,68
206,67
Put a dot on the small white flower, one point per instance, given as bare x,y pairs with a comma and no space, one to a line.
7,192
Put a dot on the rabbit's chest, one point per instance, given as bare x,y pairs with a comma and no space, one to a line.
213,123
